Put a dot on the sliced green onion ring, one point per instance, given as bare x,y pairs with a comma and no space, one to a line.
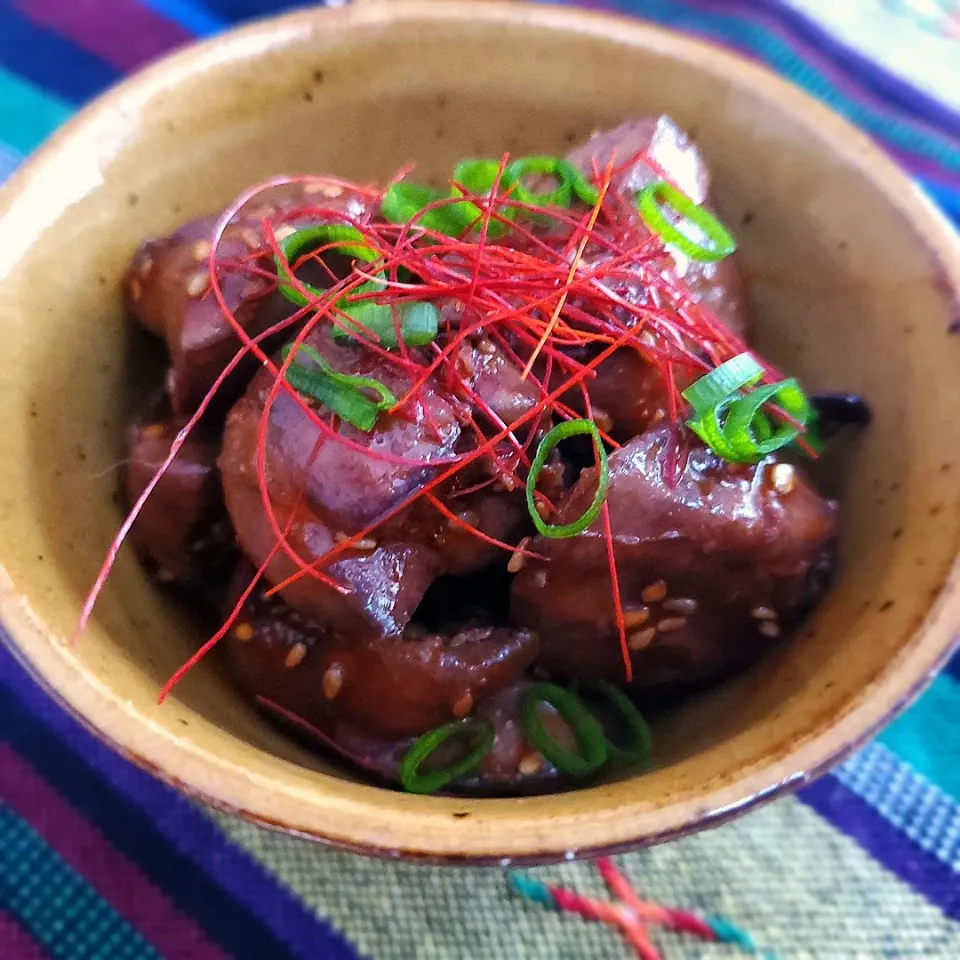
586,730
734,425
419,323
403,202
655,196
479,176
414,781
335,236
637,751
339,392
564,172
570,428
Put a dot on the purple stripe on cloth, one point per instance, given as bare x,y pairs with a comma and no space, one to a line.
183,825
16,943
123,33
118,881
855,817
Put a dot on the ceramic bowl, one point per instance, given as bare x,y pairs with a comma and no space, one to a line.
854,277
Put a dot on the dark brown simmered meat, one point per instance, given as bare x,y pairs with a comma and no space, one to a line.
719,286
181,529
387,686
167,286
331,490
712,565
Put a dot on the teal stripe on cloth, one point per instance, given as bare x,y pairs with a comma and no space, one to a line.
56,905
928,735
27,114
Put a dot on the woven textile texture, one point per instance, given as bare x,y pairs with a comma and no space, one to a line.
100,862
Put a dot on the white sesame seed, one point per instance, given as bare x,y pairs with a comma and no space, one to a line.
518,561
529,765
281,233
769,628
366,545
654,592
295,657
486,346
641,639
201,250
464,705
332,681
685,605
602,419
782,476
669,624
636,618
329,190
197,283
763,613
540,579
243,632
251,238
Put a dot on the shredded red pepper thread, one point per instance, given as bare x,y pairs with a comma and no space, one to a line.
532,301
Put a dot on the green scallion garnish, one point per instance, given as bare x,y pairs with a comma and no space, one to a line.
564,172
335,236
571,428
479,176
404,201
339,392
732,423
473,729
419,323
655,196
586,729
637,749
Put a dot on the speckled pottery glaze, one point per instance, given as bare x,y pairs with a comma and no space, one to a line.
854,277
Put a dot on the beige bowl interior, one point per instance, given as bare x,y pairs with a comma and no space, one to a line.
853,275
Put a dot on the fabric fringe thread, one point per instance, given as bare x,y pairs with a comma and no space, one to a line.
631,914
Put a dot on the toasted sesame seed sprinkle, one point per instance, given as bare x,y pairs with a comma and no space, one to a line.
464,705
763,613
770,628
518,561
685,605
329,190
154,431
529,765
251,238
636,618
365,545
197,283
243,632
669,624
333,681
486,346
295,657
602,419
201,250
783,476
641,639
654,592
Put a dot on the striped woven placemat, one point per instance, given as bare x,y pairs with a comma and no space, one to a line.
100,862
